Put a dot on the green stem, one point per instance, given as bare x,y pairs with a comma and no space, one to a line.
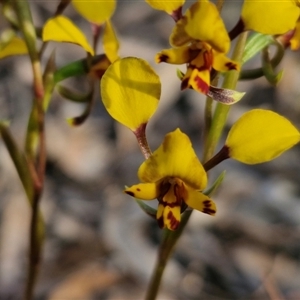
35,144
221,111
207,116
166,248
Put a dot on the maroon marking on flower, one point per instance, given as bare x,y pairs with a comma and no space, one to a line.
231,66
185,84
177,14
208,211
163,58
160,222
201,85
173,221
129,193
193,53
207,203
138,189
208,59
163,189
99,73
178,192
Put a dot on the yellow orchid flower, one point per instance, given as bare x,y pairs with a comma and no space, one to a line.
174,175
280,16
199,39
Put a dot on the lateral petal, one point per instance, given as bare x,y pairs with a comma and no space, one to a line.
177,56
143,191
222,63
199,201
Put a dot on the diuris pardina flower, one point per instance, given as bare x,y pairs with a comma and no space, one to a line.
174,175
199,39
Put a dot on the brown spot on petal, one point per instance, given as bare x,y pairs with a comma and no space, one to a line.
231,66
138,189
163,58
208,211
184,84
129,193
173,221
208,59
160,222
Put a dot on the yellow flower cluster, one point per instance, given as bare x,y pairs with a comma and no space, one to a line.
130,91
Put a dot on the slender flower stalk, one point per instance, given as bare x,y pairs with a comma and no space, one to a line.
140,134
167,245
222,111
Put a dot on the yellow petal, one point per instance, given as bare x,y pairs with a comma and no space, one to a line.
130,91
177,56
110,42
199,201
222,63
197,76
159,214
259,136
269,16
95,11
201,22
197,80
61,29
295,40
144,191
167,6
175,157
16,46
170,217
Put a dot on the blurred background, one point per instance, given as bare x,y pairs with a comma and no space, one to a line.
99,244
